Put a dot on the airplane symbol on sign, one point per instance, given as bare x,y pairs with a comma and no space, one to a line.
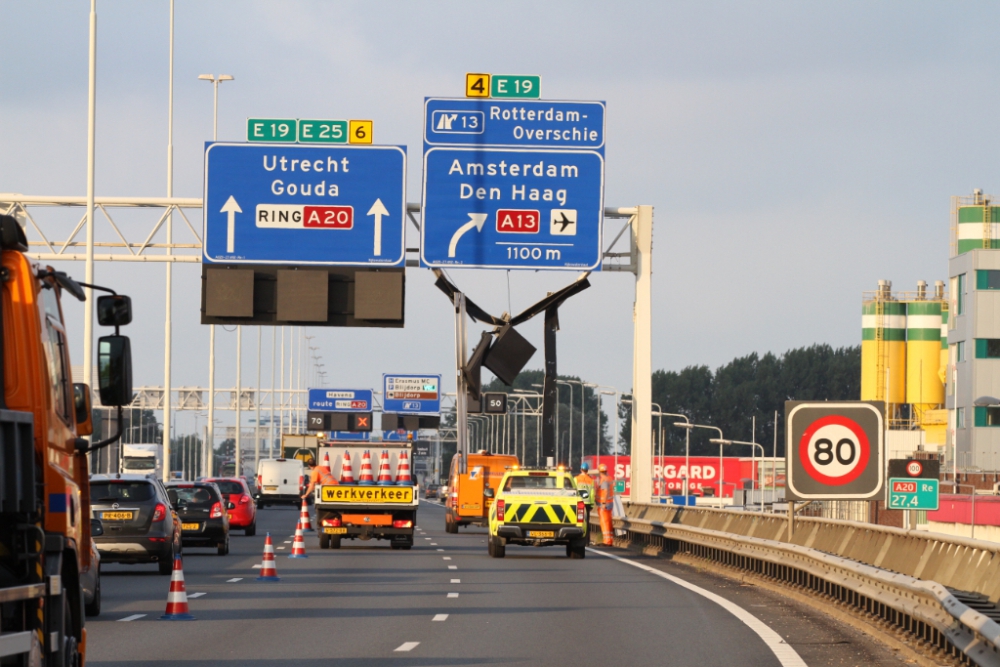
564,221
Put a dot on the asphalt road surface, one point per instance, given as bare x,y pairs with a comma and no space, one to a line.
445,602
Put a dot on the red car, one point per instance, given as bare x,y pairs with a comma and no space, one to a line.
235,489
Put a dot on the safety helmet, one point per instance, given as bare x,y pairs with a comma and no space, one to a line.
584,466
602,468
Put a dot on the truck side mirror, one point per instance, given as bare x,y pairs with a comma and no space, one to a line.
82,408
584,494
114,310
114,370
96,528
488,492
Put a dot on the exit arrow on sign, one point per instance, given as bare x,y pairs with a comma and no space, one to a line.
232,208
475,220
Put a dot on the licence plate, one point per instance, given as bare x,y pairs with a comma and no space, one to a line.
541,533
335,531
229,516
271,488
116,516
190,526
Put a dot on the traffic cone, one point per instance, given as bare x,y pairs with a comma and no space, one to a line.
304,521
346,471
384,476
366,470
268,572
403,470
177,599
325,468
298,544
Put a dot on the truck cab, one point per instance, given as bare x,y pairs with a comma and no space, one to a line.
466,501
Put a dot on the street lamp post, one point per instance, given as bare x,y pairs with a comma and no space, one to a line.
753,445
972,522
211,329
690,426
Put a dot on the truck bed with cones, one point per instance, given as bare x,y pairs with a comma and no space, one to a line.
375,496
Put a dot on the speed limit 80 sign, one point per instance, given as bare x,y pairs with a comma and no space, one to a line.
834,451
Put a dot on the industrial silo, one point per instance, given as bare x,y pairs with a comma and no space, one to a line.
883,347
974,221
924,390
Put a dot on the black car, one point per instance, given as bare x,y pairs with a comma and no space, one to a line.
139,525
202,511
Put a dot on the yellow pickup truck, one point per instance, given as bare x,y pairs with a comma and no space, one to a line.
538,508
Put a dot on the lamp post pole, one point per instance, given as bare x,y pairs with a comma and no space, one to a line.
690,426
753,445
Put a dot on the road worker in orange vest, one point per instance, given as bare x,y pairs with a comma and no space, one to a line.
605,501
317,475
584,482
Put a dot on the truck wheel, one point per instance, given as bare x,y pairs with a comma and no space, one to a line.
499,548
576,549
324,541
449,524
334,542
71,654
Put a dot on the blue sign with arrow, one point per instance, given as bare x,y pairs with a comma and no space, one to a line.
340,400
514,123
512,209
291,204
411,394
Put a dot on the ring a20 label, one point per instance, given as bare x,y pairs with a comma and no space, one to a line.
834,450
366,494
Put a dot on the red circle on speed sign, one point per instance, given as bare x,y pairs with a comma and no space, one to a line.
914,468
834,450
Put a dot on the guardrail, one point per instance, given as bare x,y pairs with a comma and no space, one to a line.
927,586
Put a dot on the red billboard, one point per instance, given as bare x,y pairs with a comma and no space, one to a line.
669,473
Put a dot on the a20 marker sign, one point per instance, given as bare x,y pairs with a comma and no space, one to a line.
834,451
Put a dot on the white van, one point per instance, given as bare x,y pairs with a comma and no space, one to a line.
280,482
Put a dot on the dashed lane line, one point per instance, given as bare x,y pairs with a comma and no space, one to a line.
453,595
440,617
439,550
785,654
192,596
133,617
456,581
233,581
452,567
407,646
446,557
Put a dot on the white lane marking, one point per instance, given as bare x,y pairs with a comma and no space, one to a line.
445,557
439,550
434,544
288,541
408,646
456,581
233,581
133,617
428,538
785,654
280,548
453,595
440,617
257,566
452,567
192,596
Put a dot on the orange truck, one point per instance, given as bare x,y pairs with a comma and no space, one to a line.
49,570
467,504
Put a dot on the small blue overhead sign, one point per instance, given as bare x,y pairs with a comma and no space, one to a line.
340,400
294,204
411,394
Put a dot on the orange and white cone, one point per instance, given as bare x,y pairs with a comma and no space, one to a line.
325,467
346,471
384,476
298,545
177,599
268,571
366,470
304,521
403,470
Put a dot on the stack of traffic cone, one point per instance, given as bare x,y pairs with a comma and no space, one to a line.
298,544
346,471
268,571
177,599
403,470
366,470
304,521
384,476
325,468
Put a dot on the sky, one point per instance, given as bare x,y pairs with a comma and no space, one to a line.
795,154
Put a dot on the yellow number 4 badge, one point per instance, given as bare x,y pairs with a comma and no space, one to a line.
477,85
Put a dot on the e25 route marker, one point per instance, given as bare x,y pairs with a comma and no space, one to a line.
298,204
834,450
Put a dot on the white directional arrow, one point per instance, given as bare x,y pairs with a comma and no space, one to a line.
232,208
475,220
378,210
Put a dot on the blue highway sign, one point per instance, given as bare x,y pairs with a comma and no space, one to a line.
514,123
340,400
411,394
290,204
512,209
